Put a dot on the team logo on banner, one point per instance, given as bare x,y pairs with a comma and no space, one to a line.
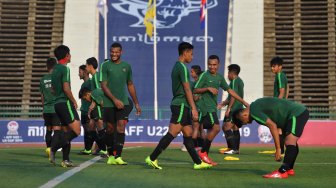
168,12
264,134
12,133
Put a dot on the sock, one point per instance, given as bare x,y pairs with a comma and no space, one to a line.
188,142
56,140
236,140
70,135
109,141
92,137
66,151
163,144
282,143
195,143
229,138
100,142
119,144
200,141
206,146
290,156
86,139
48,138
291,166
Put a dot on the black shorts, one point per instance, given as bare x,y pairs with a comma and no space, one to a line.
66,112
209,120
96,114
84,118
296,124
112,114
51,119
228,119
180,115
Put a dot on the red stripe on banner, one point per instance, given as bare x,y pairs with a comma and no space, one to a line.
319,133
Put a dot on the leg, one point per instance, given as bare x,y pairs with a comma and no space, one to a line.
187,141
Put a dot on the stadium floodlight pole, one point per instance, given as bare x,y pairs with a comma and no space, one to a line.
155,66
228,51
206,36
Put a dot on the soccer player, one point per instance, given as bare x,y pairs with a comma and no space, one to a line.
88,139
181,105
230,130
115,77
276,113
51,120
281,89
65,104
207,85
96,116
198,132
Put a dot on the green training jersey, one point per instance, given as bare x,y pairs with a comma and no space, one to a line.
98,96
85,105
280,81
45,89
117,77
95,83
179,75
238,86
209,80
60,75
278,110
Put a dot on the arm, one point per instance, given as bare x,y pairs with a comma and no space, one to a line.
281,93
234,95
190,100
68,93
232,100
274,131
108,93
206,89
222,104
287,94
132,92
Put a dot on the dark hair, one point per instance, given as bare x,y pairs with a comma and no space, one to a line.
83,91
235,119
61,51
51,62
82,67
116,45
183,46
234,68
197,69
214,57
276,61
92,61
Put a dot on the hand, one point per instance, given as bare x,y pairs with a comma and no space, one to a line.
75,104
277,155
194,114
137,107
227,113
196,97
220,106
118,104
212,90
89,113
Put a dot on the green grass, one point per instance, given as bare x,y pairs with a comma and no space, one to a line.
28,167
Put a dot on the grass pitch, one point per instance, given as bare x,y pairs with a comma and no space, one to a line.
29,167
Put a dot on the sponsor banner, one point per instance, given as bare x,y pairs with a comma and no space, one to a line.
315,133
177,21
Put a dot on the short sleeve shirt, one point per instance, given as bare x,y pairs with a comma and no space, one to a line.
215,81
117,77
280,82
85,105
238,86
179,75
98,96
60,75
278,110
45,89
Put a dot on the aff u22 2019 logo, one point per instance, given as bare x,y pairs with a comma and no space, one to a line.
168,12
